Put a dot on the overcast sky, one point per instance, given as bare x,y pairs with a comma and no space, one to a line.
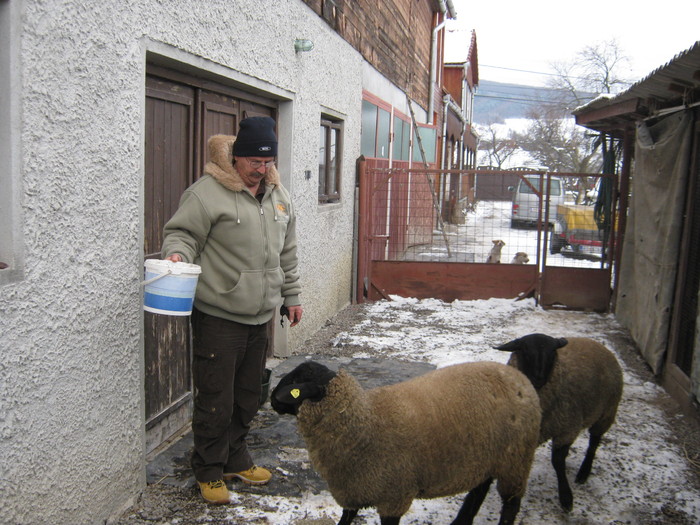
530,35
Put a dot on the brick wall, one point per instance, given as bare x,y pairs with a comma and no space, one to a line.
392,35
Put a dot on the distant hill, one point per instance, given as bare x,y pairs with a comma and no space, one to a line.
496,101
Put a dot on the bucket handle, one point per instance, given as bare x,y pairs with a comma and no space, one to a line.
154,279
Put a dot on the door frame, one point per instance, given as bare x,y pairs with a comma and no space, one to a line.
173,414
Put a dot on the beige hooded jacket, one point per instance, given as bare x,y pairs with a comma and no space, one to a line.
247,249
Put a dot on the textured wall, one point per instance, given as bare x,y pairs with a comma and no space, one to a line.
71,409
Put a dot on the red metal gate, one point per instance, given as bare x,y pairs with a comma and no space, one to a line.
416,242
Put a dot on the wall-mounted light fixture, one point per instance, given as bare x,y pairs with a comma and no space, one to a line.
302,44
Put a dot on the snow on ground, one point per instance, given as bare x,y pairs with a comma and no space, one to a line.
639,477
636,466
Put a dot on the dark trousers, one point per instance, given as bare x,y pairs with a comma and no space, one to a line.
227,368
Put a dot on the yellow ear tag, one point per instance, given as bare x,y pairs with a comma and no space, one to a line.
295,393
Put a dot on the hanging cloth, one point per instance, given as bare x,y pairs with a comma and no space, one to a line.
652,240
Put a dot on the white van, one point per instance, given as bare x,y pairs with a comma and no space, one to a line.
526,203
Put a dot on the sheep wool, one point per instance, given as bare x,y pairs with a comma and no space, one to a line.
579,382
446,432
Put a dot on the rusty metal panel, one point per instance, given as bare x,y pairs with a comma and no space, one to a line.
576,288
450,281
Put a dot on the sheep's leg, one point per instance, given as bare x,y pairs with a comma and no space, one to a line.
472,503
348,516
566,497
585,469
509,510
388,520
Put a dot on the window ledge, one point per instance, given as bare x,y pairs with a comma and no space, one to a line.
330,206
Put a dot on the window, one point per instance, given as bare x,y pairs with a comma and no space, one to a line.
555,186
428,138
383,133
329,165
369,129
376,123
402,137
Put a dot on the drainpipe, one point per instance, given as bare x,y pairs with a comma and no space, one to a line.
448,103
466,108
433,65
445,101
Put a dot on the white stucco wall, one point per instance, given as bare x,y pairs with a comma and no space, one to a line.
71,345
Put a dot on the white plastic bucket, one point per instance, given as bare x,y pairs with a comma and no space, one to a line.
169,287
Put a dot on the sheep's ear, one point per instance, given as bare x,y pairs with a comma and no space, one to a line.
296,393
511,346
561,341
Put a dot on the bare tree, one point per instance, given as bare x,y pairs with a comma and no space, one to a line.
553,139
593,71
497,149
600,64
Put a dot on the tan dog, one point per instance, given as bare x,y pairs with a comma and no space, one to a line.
495,255
520,258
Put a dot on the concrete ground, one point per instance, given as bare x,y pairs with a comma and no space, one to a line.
172,497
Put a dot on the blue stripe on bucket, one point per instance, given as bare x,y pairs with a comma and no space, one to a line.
165,302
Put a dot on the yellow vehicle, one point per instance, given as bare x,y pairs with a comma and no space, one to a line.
576,231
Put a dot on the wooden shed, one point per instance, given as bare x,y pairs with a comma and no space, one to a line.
658,120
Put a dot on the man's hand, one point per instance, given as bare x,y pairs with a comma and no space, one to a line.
174,257
294,314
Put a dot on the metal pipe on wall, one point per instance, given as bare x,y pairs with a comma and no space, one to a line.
433,64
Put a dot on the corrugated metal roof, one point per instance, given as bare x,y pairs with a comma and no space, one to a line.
676,83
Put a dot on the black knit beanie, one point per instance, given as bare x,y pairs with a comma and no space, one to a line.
256,138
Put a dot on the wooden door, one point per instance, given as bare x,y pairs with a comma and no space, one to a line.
180,117
218,114
168,155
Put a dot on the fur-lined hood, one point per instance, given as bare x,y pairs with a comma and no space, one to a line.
221,165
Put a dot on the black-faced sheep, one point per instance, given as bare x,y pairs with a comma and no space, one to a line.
452,430
579,382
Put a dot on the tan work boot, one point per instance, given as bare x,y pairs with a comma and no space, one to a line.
214,492
253,476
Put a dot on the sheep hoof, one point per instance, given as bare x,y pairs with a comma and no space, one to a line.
566,501
581,478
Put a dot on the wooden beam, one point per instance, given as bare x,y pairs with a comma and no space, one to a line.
626,108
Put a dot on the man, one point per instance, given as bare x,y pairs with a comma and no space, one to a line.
238,224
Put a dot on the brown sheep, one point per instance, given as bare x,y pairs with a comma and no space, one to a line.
449,431
579,382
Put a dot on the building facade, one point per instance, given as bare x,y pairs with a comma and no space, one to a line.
105,109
